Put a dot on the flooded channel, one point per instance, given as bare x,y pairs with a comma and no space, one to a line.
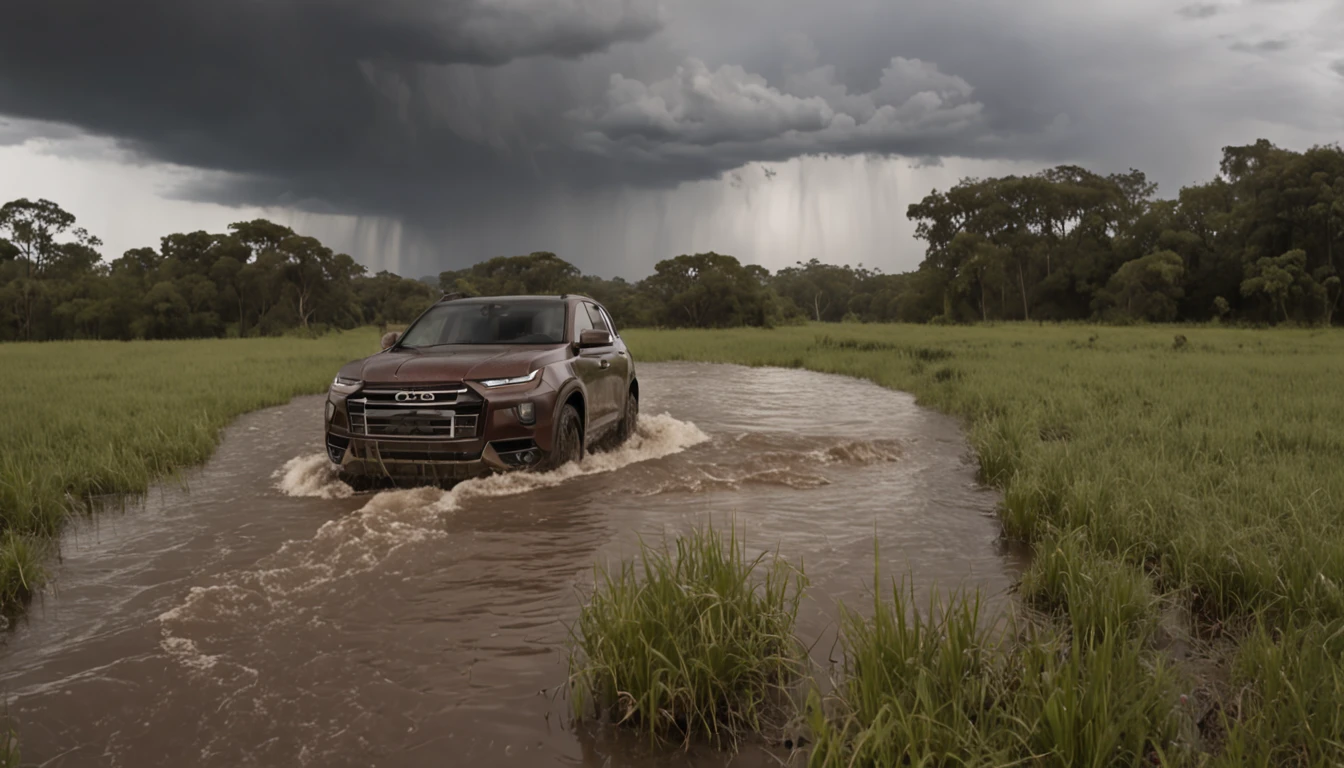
265,616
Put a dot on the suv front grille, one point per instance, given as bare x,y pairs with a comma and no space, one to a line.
425,412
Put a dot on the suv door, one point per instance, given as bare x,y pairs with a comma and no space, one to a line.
593,367
621,364
609,369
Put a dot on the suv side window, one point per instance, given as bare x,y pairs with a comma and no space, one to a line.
582,322
607,316
599,322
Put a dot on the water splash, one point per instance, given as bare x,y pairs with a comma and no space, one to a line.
312,476
364,540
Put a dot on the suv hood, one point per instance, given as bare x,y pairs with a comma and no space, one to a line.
456,363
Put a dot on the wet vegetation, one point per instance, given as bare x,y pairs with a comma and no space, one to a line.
933,688
1183,501
1181,492
81,420
9,749
693,642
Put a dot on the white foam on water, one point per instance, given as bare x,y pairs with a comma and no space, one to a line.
362,541
786,477
775,459
313,476
656,437
860,452
186,653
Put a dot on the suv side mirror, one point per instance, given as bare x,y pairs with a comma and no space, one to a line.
594,338
390,338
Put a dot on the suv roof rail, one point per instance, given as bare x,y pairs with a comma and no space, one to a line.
451,296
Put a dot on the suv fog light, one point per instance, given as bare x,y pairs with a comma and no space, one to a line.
529,457
331,409
527,412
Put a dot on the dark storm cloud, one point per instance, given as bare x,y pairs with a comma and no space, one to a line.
323,99
1338,67
1199,11
448,114
416,107
14,131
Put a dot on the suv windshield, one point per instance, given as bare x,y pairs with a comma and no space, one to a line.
495,322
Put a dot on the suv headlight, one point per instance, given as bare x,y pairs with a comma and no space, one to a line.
527,412
514,380
343,385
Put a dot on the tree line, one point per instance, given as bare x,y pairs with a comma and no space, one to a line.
1257,244
258,278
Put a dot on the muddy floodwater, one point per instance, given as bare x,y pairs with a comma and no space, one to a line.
261,615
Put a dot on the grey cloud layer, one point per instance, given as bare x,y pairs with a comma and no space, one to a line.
492,31
407,107
737,116
1199,11
436,112
314,99
1263,46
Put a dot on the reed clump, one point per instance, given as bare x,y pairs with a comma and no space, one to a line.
935,688
689,641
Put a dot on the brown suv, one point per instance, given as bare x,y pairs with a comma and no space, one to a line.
481,385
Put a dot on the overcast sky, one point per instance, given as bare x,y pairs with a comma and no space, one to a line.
420,135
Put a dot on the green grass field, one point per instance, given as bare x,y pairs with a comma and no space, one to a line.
80,420
1185,501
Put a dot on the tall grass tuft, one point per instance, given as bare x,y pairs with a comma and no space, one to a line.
1093,593
9,749
1289,710
694,641
915,689
936,689
21,567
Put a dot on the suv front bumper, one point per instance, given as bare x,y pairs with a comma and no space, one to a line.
429,462
502,442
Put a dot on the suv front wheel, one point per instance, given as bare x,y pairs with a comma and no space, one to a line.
568,441
631,419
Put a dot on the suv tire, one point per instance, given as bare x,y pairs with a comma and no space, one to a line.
630,420
568,441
